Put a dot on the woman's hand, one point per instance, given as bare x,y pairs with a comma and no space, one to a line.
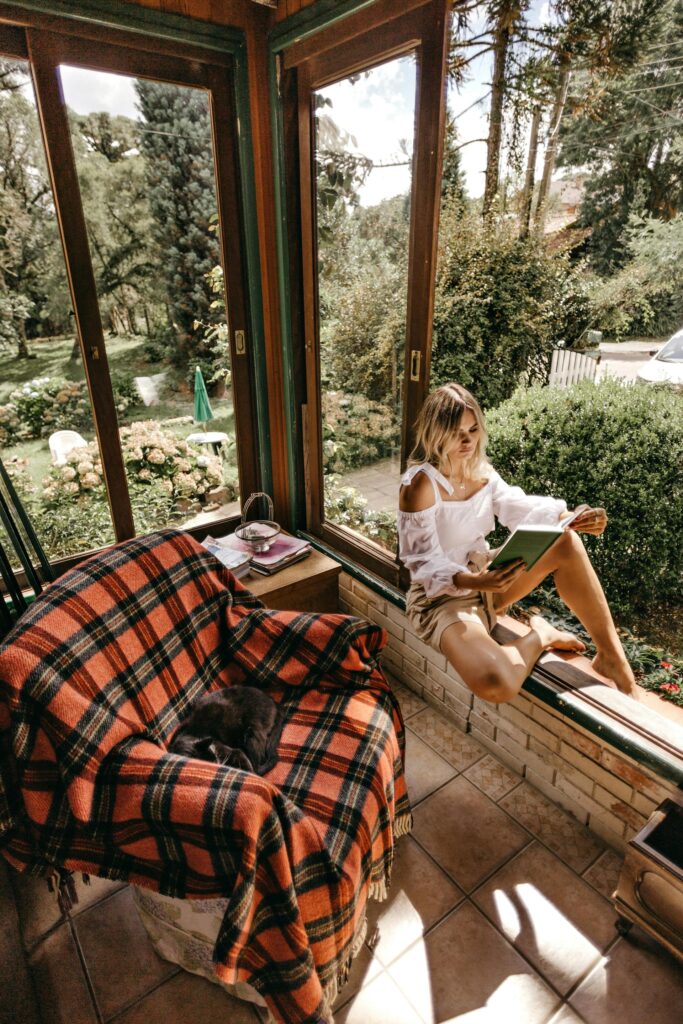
493,580
591,520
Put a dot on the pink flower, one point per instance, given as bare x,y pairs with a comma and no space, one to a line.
666,664
670,687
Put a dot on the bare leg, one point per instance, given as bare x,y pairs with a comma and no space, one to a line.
580,589
495,672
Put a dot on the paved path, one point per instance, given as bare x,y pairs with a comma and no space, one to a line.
377,483
625,358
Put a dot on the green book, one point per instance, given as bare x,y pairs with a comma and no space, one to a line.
529,542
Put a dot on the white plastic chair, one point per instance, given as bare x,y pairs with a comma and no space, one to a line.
62,442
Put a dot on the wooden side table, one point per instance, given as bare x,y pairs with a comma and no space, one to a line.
311,585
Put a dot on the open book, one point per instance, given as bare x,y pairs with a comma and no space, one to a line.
530,541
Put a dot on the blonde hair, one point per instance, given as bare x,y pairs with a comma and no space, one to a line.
437,424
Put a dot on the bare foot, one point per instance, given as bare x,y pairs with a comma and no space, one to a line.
551,637
617,669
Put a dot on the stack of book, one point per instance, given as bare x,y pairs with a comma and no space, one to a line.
284,551
234,559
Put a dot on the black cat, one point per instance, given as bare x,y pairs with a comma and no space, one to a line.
238,726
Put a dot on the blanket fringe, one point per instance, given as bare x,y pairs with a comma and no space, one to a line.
403,825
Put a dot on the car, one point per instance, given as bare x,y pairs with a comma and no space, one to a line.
666,365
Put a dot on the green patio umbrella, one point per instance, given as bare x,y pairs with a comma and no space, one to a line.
202,407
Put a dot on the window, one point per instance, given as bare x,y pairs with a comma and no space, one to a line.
142,153
368,113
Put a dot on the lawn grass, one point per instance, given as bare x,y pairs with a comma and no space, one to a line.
126,355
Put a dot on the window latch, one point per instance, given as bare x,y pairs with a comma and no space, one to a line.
240,343
415,362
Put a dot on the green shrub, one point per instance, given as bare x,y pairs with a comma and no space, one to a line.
346,507
356,432
615,445
501,303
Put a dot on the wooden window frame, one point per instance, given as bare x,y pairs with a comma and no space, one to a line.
118,51
367,39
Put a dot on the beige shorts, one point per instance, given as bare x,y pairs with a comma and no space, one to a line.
429,617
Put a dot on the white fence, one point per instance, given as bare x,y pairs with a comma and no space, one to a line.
567,367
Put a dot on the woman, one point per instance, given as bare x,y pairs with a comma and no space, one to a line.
449,498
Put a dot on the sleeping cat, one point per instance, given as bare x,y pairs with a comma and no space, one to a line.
238,726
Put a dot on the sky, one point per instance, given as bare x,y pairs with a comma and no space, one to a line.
378,110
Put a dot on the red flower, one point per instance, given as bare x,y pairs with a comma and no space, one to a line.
670,687
666,664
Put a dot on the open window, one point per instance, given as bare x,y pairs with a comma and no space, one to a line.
364,110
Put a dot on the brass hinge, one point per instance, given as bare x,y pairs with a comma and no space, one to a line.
415,363
240,343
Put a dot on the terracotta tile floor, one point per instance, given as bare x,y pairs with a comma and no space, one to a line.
498,913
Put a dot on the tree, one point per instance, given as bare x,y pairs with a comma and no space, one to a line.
112,179
604,39
33,287
627,133
176,143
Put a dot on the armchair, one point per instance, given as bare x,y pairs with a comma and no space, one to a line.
94,680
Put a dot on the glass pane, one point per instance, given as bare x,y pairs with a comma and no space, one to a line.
47,437
363,159
145,166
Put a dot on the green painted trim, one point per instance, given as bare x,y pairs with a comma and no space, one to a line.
566,702
144,20
229,41
296,513
312,19
252,263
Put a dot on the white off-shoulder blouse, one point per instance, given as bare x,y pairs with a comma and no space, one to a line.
437,542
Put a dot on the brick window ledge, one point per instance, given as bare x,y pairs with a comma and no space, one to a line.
607,759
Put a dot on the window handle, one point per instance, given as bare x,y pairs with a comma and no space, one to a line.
415,363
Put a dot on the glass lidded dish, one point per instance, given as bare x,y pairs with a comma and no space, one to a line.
258,534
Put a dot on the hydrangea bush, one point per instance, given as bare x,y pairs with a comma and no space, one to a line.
151,454
45,404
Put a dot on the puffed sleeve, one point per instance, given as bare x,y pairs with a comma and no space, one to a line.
421,552
512,506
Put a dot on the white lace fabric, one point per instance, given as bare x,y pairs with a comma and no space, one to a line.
439,541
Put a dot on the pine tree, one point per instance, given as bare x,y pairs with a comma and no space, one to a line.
176,143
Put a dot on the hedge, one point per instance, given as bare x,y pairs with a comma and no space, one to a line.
609,444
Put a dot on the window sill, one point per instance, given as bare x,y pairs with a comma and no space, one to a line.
569,687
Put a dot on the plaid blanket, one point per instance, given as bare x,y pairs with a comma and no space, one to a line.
94,680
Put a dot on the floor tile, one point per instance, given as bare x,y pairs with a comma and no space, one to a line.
93,891
61,987
37,907
465,969
425,770
572,842
637,981
549,914
365,968
18,998
189,999
492,777
410,702
459,750
380,1002
420,895
112,937
604,874
566,1016
466,833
